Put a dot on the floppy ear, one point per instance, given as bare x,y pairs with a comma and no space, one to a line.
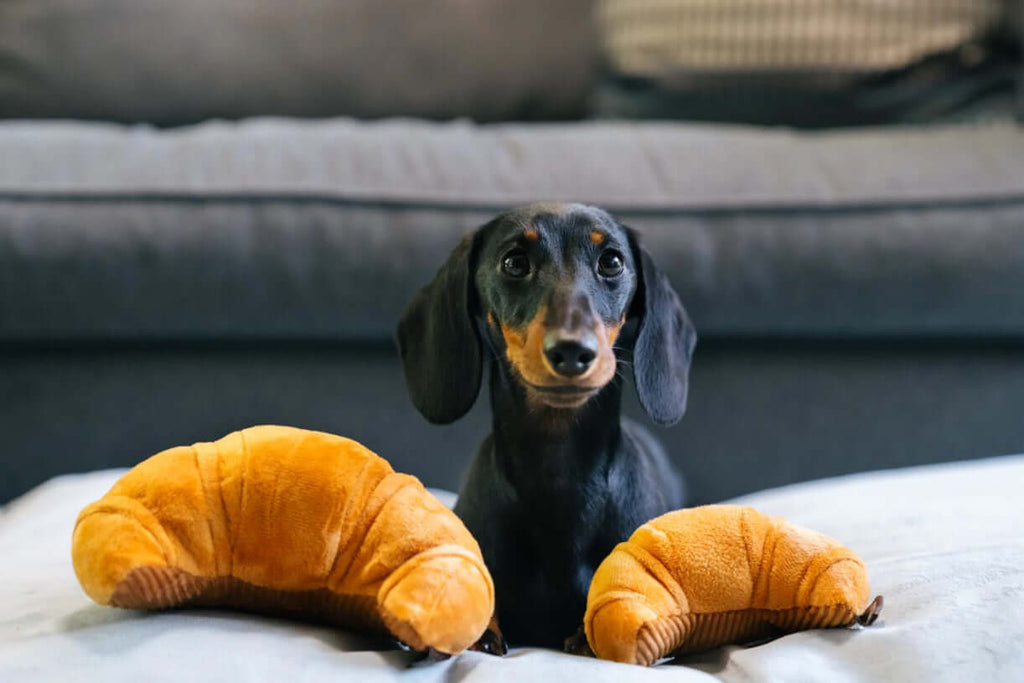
665,340
438,344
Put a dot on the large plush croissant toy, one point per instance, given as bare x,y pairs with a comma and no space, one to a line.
283,519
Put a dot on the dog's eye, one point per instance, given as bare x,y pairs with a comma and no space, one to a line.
515,264
610,264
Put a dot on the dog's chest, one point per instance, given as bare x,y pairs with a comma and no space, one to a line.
559,540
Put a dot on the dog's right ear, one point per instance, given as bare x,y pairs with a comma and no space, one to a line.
440,350
664,344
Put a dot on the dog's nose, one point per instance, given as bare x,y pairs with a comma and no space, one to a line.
570,356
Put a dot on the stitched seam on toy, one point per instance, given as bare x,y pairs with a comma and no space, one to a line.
477,562
747,543
224,513
441,592
408,480
447,550
348,511
803,577
108,508
608,597
298,443
613,600
206,504
156,540
772,534
243,476
657,569
414,562
827,568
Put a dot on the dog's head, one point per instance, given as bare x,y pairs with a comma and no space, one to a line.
559,293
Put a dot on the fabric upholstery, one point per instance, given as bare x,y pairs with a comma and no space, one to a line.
273,229
811,63
760,413
650,37
171,62
943,545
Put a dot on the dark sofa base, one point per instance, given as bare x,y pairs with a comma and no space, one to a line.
861,406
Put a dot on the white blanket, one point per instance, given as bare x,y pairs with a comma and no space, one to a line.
944,544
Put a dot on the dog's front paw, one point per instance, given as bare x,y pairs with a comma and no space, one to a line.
577,644
492,641
428,656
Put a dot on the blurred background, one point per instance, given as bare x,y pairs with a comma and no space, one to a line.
213,213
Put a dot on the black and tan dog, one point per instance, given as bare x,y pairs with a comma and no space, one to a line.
555,297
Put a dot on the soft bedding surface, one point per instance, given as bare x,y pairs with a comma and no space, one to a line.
944,544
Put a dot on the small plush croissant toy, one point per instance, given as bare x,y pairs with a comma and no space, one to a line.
286,520
695,579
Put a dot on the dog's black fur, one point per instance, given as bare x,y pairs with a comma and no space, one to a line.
561,479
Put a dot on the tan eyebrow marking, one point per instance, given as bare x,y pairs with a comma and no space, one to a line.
531,234
597,237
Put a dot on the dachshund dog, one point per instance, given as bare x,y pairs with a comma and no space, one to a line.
555,297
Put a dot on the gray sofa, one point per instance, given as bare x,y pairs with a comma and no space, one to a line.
859,292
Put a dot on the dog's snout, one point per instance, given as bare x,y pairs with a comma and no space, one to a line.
570,356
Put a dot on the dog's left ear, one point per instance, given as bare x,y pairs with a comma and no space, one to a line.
665,340
440,351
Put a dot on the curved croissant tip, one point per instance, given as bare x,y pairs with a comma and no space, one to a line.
443,600
615,631
871,613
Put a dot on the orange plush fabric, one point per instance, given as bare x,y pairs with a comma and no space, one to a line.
287,520
695,579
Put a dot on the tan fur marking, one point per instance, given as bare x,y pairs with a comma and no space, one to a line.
531,234
603,369
611,332
525,351
597,237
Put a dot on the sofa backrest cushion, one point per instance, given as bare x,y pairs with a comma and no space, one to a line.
278,229
171,62
655,37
